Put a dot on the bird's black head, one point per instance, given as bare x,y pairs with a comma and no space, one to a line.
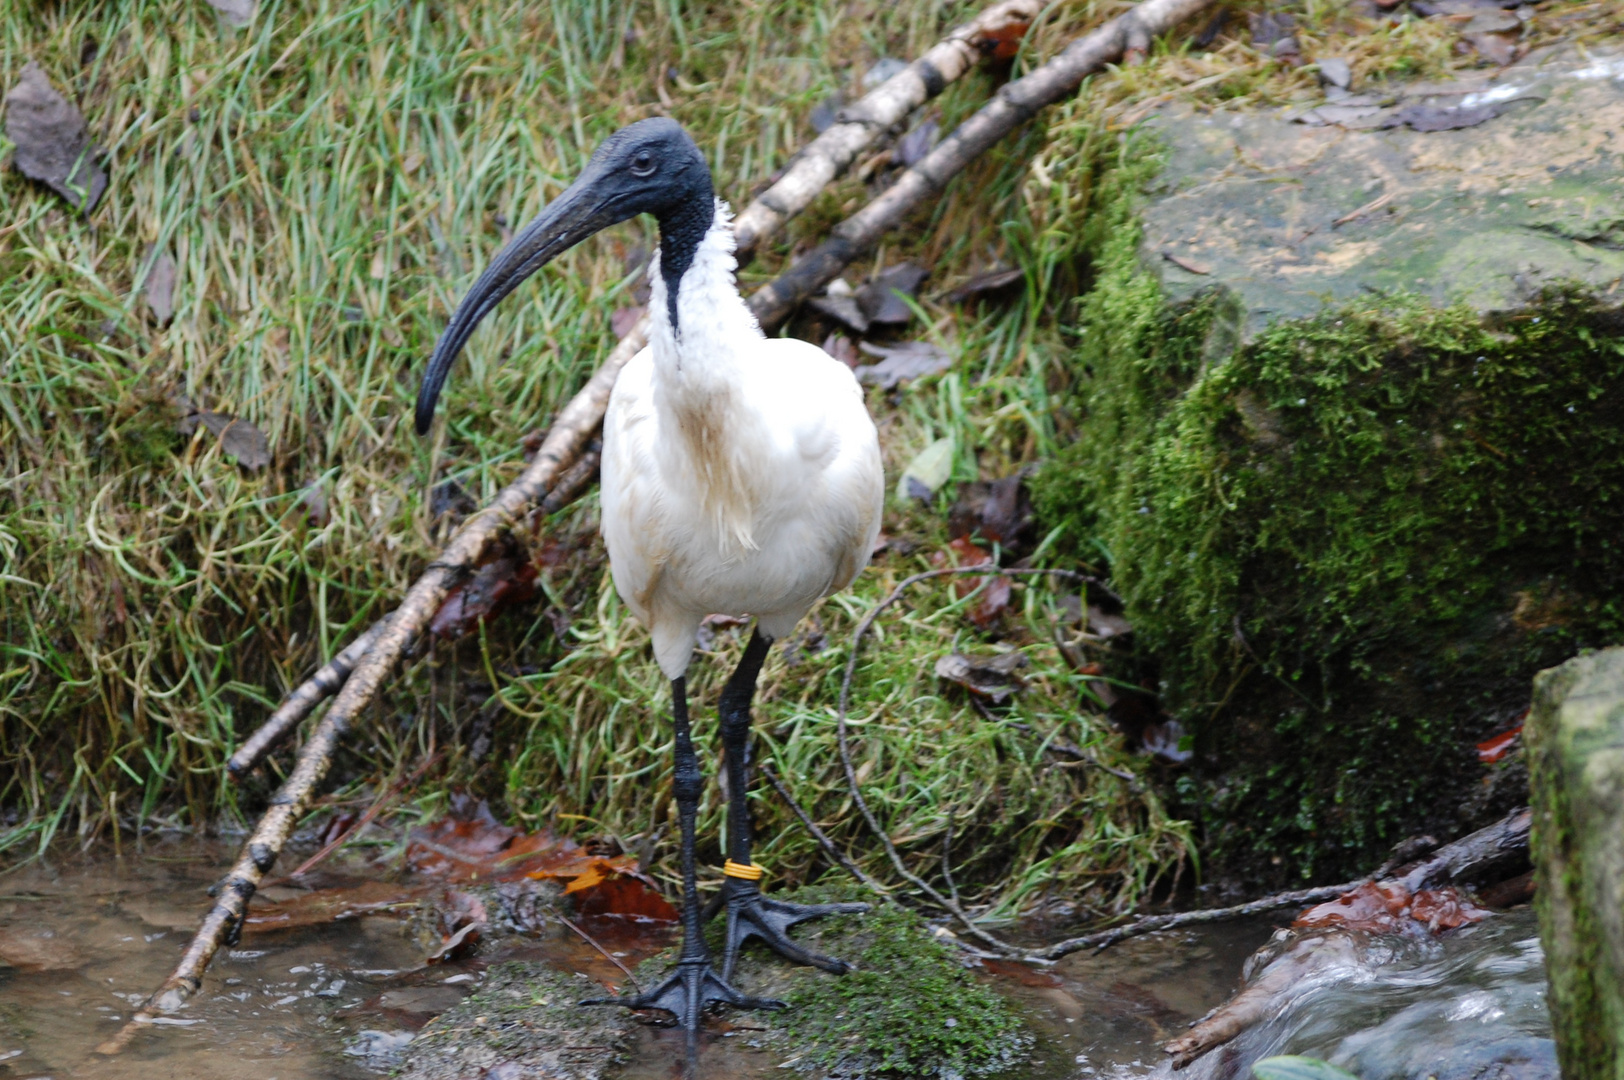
650,167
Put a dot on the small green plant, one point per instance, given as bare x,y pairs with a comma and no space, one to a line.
1296,1067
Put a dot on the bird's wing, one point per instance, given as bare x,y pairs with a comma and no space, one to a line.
630,492
840,480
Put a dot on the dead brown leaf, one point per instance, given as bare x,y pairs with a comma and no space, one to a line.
321,906
53,140
910,360
987,284
840,347
881,300
495,586
992,678
159,289
36,950
242,440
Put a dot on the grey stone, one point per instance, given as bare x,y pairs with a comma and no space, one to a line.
1576,741
523,1024
1335,71
1290,216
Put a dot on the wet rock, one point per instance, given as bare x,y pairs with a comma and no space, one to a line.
523,1024
1576,743
1492,188
908,1007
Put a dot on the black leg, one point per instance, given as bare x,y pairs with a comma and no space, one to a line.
749,914
694,985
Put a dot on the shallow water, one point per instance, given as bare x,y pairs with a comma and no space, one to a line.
341,1001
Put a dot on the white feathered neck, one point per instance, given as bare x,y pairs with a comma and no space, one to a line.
698,378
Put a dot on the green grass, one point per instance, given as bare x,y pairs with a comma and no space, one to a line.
328,180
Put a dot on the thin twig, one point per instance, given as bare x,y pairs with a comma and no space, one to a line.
1149,924
607,955
365,819
845,744
947,860
820,836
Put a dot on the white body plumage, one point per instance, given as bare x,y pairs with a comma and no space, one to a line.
741,474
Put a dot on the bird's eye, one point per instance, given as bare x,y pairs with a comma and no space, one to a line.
643,164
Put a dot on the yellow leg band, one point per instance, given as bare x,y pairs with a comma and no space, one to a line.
745,871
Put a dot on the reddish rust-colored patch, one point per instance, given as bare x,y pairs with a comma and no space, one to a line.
1388,907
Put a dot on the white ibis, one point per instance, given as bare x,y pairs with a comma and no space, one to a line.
741,474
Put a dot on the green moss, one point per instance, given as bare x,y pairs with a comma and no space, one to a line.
1347,545
1576,746
909,1007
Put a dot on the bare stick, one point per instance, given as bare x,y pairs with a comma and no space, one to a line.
859,126
819,835
574,482
1013,105
607,955
1001,947
569,435
365,819
1485,852
299,704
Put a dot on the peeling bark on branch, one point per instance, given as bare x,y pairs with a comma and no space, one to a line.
1013,105
858,126
301,703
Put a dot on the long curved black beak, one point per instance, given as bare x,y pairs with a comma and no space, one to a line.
583,209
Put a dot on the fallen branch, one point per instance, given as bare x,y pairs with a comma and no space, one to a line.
858,126
1463,861
301,703
1013,105
823,159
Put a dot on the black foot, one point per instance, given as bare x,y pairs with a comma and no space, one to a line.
749,914
686,993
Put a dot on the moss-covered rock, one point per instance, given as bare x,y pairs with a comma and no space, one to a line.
909,1008
523,1023
1576,742
1347,543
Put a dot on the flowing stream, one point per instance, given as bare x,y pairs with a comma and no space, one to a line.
85,937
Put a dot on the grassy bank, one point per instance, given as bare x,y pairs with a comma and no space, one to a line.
327,181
